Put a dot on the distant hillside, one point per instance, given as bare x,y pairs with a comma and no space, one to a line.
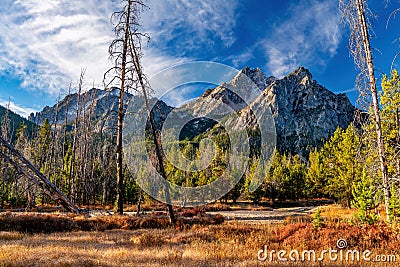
15,121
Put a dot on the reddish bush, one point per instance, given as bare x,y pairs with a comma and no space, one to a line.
48,223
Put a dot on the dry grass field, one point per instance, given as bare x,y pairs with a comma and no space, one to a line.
228,244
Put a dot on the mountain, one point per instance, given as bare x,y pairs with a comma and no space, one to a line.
96,103
305,113
100,105
15,121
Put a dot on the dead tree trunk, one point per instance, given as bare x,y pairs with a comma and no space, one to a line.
129,74
354,14
160,160
121,113
75,139
36,176
375,102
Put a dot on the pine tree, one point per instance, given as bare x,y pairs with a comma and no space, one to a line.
316,178
390,101
294,183
273,180
43,146
343,167
318,222
23,145
394,205
257,194
364,193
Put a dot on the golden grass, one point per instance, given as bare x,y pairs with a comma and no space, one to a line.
229,244
11,236
336,212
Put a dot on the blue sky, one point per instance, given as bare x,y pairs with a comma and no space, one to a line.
45,44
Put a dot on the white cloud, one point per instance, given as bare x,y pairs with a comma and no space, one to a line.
23,111
183,81
308,36
47,43
191,24
242,58
347,91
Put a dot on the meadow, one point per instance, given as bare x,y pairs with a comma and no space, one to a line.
211,243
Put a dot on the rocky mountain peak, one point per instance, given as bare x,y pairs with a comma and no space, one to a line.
256,75
305,112
302,76
302,72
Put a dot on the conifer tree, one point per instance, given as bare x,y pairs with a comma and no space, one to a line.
394,205
343,166
257,194
5,133
22,144
43,146
318,222
390,102
364,194
316,177
294,183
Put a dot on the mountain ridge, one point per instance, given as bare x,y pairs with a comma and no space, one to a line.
305,112
15,120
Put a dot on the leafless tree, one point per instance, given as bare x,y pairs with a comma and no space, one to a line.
125,50
75,138
355,15
5,133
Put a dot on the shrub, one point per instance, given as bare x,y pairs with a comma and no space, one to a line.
318,221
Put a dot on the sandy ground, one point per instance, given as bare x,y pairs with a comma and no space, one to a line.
259,216
246,215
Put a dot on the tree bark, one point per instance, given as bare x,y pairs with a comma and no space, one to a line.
75,139
161,166
375,102
120,174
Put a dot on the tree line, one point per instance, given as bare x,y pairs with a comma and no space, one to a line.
358,166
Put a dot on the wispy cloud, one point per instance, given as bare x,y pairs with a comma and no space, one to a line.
191,25
23,111
347,91
47,43
239,60
309,35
